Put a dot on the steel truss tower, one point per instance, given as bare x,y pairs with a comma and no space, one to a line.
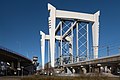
62,27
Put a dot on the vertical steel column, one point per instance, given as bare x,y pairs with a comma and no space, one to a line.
77,58
95,34
48,52
71,43
42,48
61,61
48,57
87,28
52,22
59,54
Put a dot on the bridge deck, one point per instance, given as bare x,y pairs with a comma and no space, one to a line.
109,60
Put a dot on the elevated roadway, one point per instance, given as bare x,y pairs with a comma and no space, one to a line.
108,64
17,63
114,59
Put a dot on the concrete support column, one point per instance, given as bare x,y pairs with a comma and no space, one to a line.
84,70
97,69
13,68
106,69
101,69
73,70
109,69
18,68
69,70
12,65
90,69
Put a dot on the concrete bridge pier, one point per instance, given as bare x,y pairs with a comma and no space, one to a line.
94,68
101,69
91,69
13,68
18,68
84,69
69,70
106,69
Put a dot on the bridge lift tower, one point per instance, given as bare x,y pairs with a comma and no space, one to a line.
70,30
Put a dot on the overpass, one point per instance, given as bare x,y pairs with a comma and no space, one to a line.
14,63
109,64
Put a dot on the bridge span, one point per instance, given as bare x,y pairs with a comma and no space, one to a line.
109,64
69,42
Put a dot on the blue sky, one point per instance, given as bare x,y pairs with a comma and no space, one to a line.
21,21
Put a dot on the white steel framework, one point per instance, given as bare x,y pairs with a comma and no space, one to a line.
63,31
